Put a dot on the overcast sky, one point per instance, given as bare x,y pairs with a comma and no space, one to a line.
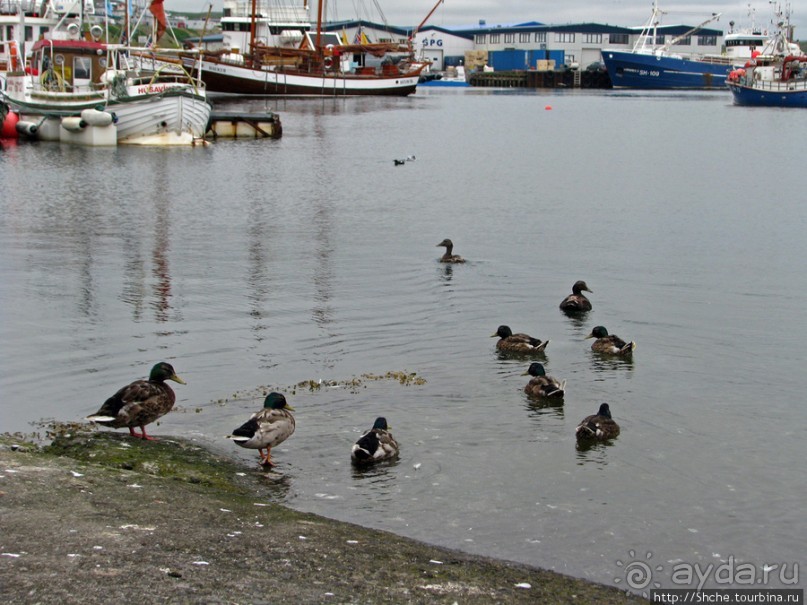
452,13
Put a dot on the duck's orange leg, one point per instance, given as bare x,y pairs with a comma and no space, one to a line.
267,460
141,435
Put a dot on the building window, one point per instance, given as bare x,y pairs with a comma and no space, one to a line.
685,41
509,38
707,40
494,38
523,37
564,37
618,39
592,38
540,36
480,38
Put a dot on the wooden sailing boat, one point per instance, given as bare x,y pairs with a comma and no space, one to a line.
271,50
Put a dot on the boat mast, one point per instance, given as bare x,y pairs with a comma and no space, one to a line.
252,27
319,24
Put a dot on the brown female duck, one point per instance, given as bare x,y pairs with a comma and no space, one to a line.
448,257
576,302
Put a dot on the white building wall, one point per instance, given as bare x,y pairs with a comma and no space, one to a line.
435,45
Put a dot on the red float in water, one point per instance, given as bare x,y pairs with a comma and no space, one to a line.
9,126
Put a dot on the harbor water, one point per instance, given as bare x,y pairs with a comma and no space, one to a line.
257,265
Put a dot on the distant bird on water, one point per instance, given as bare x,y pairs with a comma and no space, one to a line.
140,403
517,343
576,302
375,445
610,344
399,162
449,257
541,385
267,428
597,427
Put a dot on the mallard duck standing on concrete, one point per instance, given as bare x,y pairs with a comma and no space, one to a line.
375,445
517,343
267,428
599,426
140,403
576,302
541,385
610,344
448,257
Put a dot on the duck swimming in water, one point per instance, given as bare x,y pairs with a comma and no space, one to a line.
448,257
541,385
140,403
517,343
576,302
375,445
610,344
599,426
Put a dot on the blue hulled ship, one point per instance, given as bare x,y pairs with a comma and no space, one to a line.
650,65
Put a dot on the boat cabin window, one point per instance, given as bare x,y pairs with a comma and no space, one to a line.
82,71
325,38
752,42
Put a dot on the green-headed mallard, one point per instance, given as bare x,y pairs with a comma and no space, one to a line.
266,428
599,426
375,445
517,343
448,257
576,302
140,403
542,385
610,344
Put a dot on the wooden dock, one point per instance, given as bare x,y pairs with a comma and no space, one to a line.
541,79
244,126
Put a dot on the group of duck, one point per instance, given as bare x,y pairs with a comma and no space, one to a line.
144,401
600,426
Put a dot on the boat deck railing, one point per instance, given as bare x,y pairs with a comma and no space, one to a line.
776,86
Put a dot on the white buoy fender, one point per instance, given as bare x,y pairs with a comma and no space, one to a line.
27,128
110,74
73,124
93,117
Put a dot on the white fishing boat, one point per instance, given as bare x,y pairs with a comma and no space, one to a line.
78,88
776,77
20,22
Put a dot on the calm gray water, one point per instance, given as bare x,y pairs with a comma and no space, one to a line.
259,264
